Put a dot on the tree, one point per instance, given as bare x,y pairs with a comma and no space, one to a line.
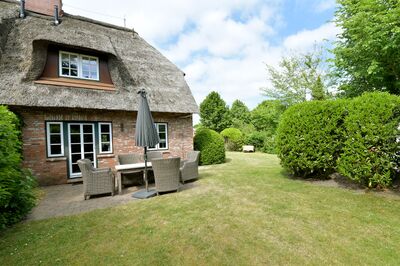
266,116
214,113
367,54
297,76
239,112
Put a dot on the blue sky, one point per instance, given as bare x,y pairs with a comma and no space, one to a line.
221,45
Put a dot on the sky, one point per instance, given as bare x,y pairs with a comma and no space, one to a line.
221,45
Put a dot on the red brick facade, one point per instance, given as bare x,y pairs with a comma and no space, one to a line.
51,171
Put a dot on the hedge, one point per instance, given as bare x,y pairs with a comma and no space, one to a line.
355,137
370,147
211,146
234,139
309,137
16,184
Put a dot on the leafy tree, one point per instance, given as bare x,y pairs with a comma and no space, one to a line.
367,54
214,113
265,117
240,112
297,76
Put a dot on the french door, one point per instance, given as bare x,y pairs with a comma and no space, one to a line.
81,146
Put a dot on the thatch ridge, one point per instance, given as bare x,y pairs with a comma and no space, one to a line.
133,64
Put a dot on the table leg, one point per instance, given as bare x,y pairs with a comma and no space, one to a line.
119,182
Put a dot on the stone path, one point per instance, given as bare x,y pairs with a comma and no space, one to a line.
64,200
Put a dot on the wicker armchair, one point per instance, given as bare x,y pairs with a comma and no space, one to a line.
135,176
130,158
151,155
190,168
96,181
166,174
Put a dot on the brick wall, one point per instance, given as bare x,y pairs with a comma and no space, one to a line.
51,171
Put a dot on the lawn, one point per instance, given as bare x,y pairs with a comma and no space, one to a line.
243,212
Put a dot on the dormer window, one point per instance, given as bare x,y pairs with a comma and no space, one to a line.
73,65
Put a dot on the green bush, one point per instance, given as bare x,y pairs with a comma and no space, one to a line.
16,184
370,146
269,145
256,139
233,139
309,137
211,146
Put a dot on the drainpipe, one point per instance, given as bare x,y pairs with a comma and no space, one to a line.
56,20
22,9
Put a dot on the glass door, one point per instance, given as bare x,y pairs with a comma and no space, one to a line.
81,146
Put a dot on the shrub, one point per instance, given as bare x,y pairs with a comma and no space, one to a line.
16,184
211,146
309,137
233,139
370,147
256,139
269,145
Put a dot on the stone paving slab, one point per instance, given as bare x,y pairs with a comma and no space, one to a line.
64,200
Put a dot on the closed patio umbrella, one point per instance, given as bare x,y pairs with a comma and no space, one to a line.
145,136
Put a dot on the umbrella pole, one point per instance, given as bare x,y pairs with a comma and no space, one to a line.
145,169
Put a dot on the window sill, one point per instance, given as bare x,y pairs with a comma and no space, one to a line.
78,83
109,155
56,159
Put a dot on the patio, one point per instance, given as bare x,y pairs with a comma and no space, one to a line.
65,200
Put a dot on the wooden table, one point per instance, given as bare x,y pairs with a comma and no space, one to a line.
127,169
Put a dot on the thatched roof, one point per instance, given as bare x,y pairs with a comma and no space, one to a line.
133,64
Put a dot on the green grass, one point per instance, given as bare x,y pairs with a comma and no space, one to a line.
244,212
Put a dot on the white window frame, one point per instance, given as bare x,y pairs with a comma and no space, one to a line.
111,139
80,75
157,147
48,140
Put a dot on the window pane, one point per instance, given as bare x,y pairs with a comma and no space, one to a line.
85,74
162,145
74,73
88,138
93,62
65,71
75,138
75,168
105,138
105,128
74,66
55,128
162,136
161,128
89,156
55,139
93,75
75,148
65,63
87,129
73,59
76,157
85,68
88,147
75,129
105,147
55,149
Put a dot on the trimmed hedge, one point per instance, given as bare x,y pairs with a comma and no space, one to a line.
356,137
370,146
16,184
211,146
309,137
233,139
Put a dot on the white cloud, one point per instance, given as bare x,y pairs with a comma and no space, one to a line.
325,5
304,40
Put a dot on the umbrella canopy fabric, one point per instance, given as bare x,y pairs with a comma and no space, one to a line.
146,133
